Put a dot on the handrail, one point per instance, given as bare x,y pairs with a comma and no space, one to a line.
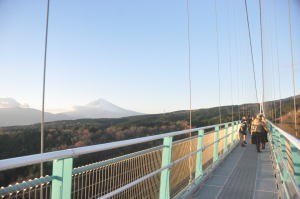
279,138
297,189
70,153
289,137
123,188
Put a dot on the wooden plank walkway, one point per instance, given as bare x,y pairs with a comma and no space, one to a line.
244,174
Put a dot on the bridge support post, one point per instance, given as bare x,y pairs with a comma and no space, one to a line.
296,163
199,171
277,143
232,132
216,144
284,157
164,191
62,183
226,138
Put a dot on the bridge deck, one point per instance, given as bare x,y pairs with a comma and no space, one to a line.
243,174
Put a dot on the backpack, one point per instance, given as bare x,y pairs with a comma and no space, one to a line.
253,128
243,127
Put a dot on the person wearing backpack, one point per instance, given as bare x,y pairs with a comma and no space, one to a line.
243,132
258,130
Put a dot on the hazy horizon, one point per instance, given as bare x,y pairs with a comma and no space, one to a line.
73,107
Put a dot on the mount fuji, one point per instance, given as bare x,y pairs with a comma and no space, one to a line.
13,113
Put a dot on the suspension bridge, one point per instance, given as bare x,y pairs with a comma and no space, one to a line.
203,162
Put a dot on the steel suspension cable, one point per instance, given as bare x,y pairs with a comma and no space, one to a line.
189,62
293,67
277,57
251,51
262,58
231,90
44,84
273,83
218,58
190,82
230,67
236,35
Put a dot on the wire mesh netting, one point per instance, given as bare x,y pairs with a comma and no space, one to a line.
104,179
100,178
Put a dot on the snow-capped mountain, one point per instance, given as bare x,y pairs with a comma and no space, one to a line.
100,109
14,113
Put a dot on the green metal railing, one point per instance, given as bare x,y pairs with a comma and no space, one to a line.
165,171
286,153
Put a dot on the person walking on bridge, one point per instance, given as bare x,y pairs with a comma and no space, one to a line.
243,131
249,122
259,131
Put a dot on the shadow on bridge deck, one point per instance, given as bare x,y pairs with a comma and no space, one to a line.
243,174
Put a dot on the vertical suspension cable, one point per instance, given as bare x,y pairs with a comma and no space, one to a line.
238,89
251,51
236,32
293,67
189,61
190,82
230,66
218,58
274,109
231,89
44,83
262,58
277,57
273,83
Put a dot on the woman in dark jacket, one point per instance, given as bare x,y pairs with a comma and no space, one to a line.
259,131
264,134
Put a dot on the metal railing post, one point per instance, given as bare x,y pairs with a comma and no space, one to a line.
296,164
277,144
199,171
216,144
232,132
62,182
274,136
278,141
236,126
225,139
164,191
284,156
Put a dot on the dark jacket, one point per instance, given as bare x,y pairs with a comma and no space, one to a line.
243,127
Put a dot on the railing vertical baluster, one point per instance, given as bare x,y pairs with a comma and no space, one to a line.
225,140
236,128
272,133
278,144
199,171
164,191
284,156
216,144
275,142
296,164
232,132
62,182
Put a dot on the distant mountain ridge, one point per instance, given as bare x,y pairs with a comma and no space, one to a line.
23,116
13,113
100,108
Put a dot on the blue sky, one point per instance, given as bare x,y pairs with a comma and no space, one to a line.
134,53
